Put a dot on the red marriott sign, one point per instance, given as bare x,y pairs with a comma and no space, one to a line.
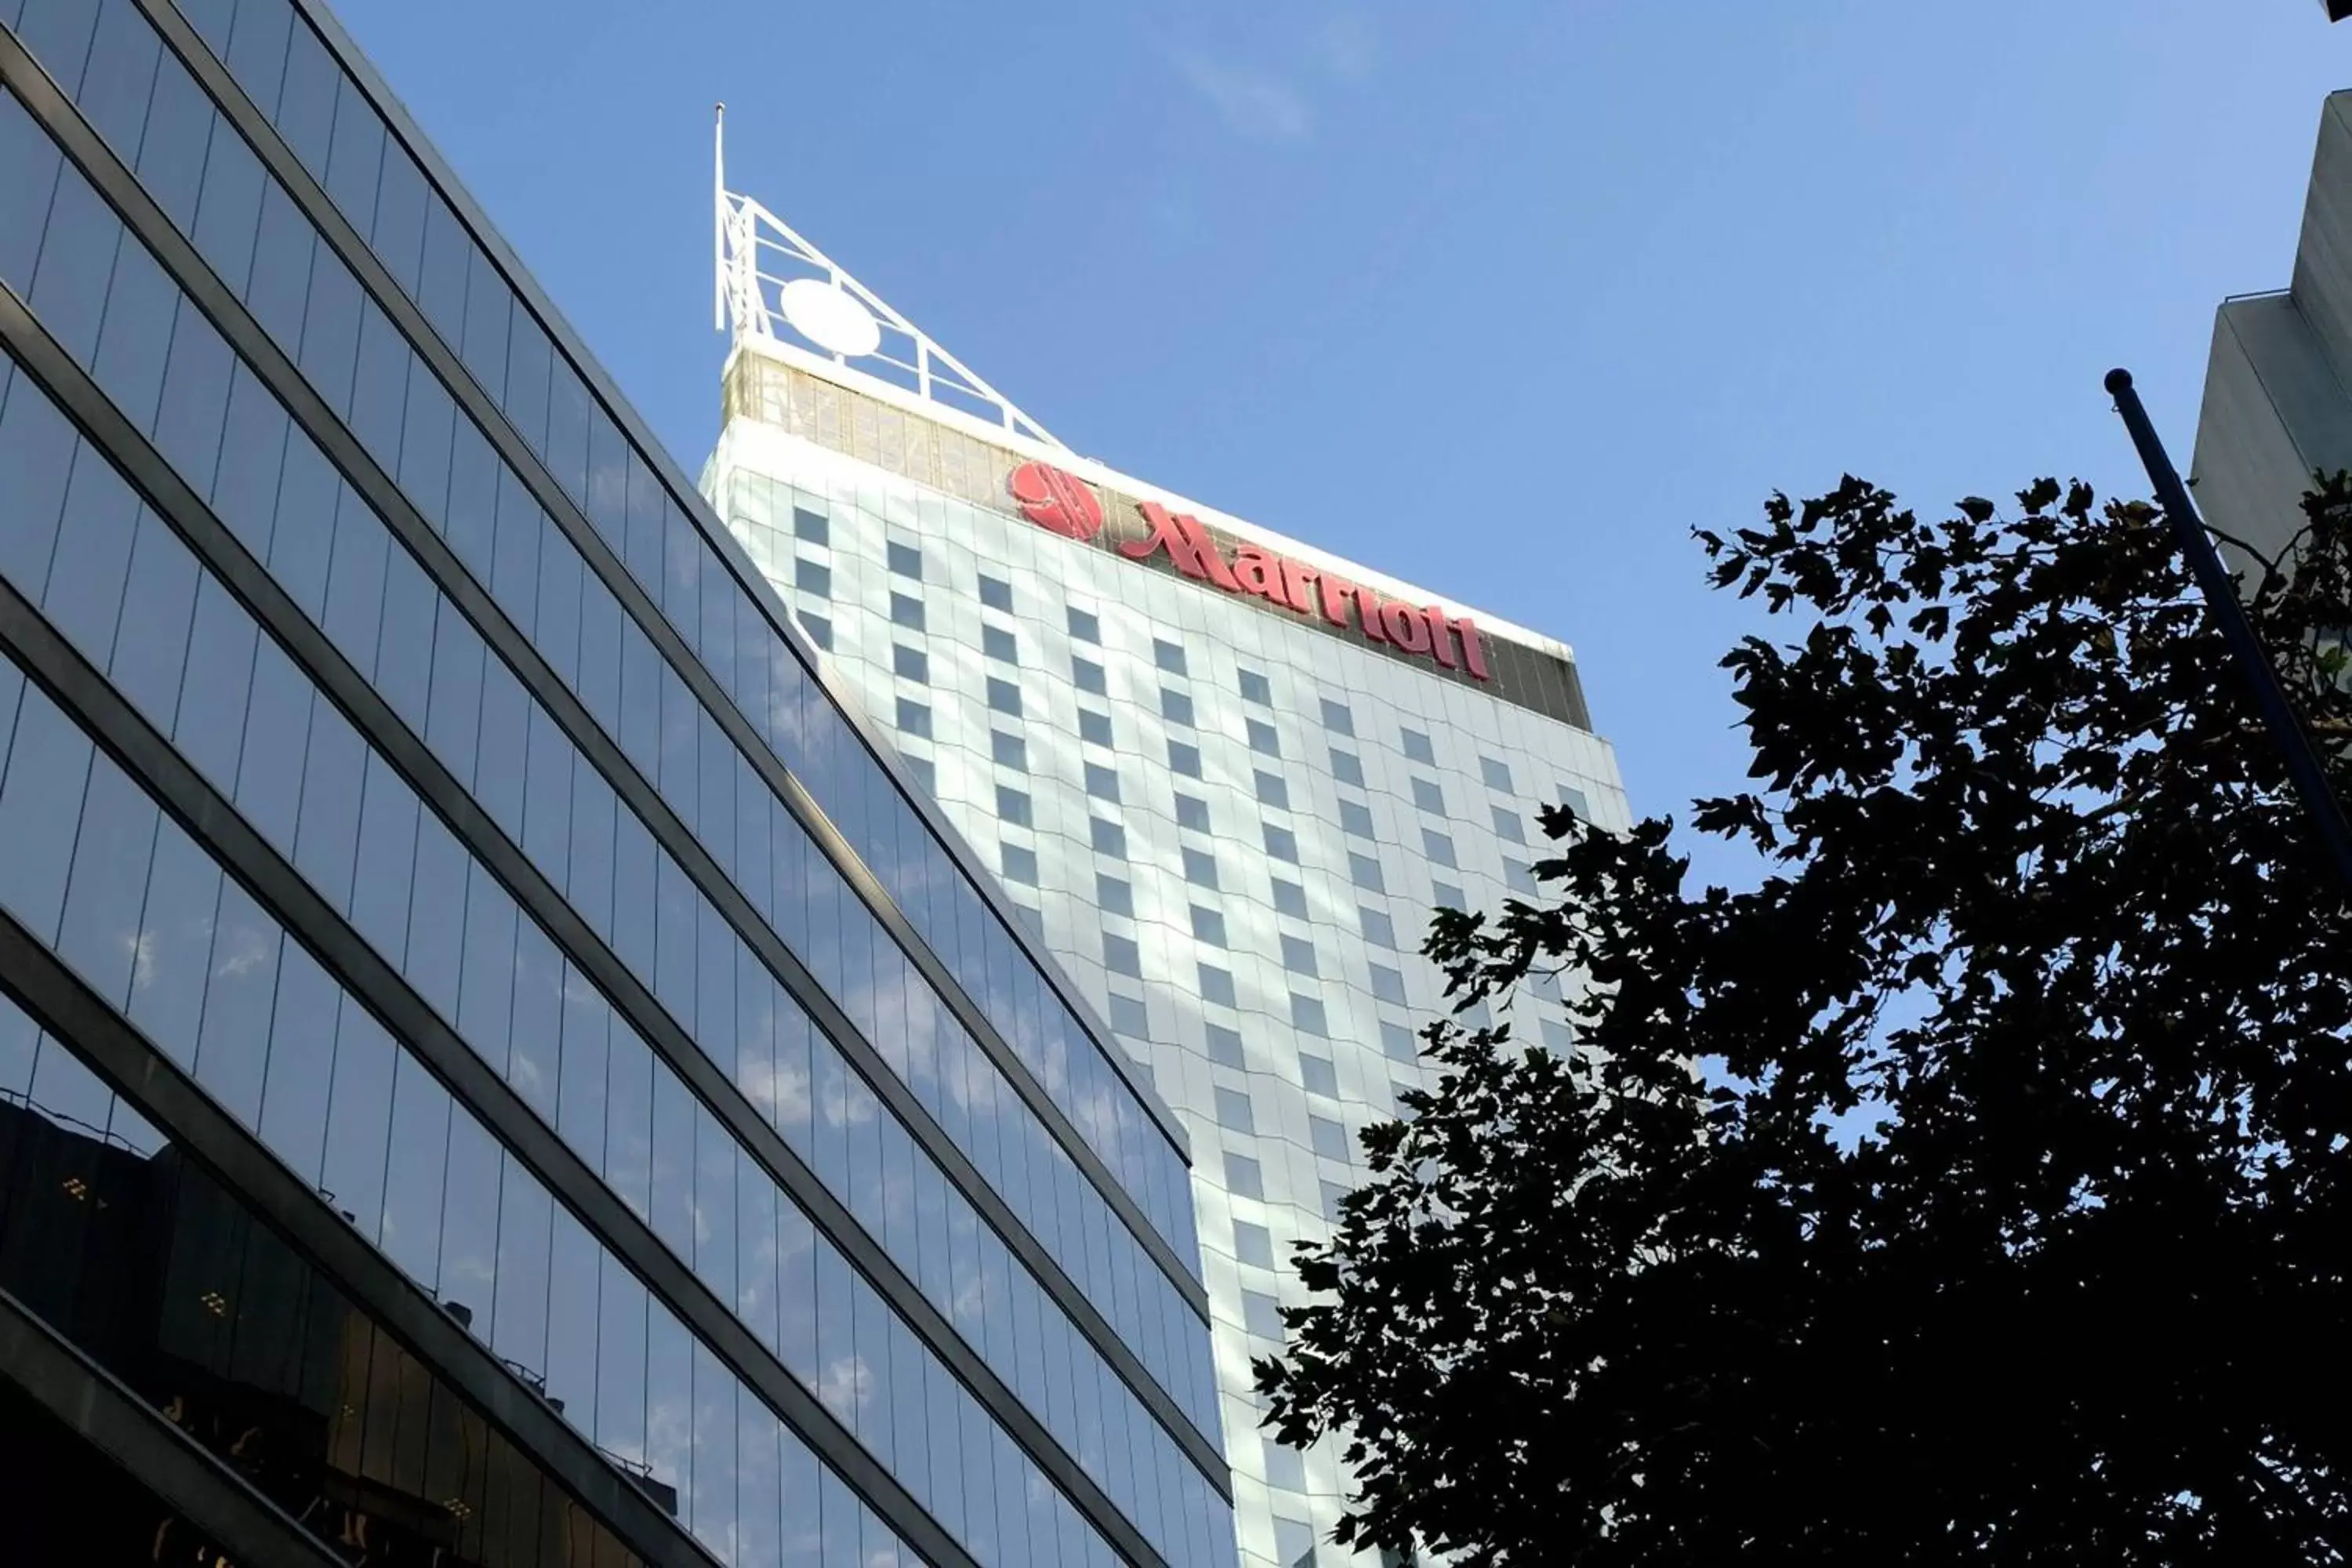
1061,502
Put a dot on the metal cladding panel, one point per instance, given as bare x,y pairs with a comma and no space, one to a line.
2275,412
2322,283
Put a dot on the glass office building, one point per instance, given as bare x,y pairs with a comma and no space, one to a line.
496,1065
1225,775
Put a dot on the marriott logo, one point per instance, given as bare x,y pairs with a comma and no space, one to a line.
1058,500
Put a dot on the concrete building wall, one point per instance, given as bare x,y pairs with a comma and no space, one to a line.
1227,821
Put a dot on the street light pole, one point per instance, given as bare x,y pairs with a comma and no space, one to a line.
2221,599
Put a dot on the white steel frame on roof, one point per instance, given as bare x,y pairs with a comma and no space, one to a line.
907,370
757,257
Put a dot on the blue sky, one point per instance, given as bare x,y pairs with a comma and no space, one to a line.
1503,297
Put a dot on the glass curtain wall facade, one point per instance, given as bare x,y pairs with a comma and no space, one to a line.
497,1065
1228,819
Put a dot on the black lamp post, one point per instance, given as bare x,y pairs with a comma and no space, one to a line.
2222,598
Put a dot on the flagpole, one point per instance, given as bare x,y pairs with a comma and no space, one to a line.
2189,533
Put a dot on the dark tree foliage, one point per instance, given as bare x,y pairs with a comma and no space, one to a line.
2037,900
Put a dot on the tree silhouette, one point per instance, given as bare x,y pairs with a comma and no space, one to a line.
2038,907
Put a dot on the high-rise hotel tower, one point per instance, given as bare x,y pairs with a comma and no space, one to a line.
1223,776
497,1065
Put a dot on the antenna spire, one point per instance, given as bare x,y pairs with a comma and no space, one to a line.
718,221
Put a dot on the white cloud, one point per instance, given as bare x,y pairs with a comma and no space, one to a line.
1249,101
1345,45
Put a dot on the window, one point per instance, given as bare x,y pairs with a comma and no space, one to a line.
1281,843
1208,926
1496,773
1261,1315
1297,955
1121,956
1252,1244
1183,759
1416,746
1089,676
1271,789
1243,1177
998,643
1263,740
1428,797
1224,1046
1388,985
1085,627
1094,727
812,578
1003,697
1192,812
1019,865
1286,1468
1333,1193
914,717
1558,1036
995,592
1107,837
1289,898
1338,719
1168,656
925,774
909,663
1175,706
1102,782
812,526
1009,750
1346,768
906,612
1330,1138
904,560
1366,872
1254,687
1128,1017
1217,985
1233,1111
1355,817
1318,1075
1114,895
1521,879
1507,826
1397,1041
1397,1092
819,629
1438,846
1573,798
1012,806
1448,896
1306,1016
1377,927
1200,867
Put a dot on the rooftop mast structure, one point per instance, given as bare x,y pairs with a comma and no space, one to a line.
790,299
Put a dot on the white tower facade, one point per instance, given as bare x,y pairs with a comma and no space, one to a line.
1224,775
